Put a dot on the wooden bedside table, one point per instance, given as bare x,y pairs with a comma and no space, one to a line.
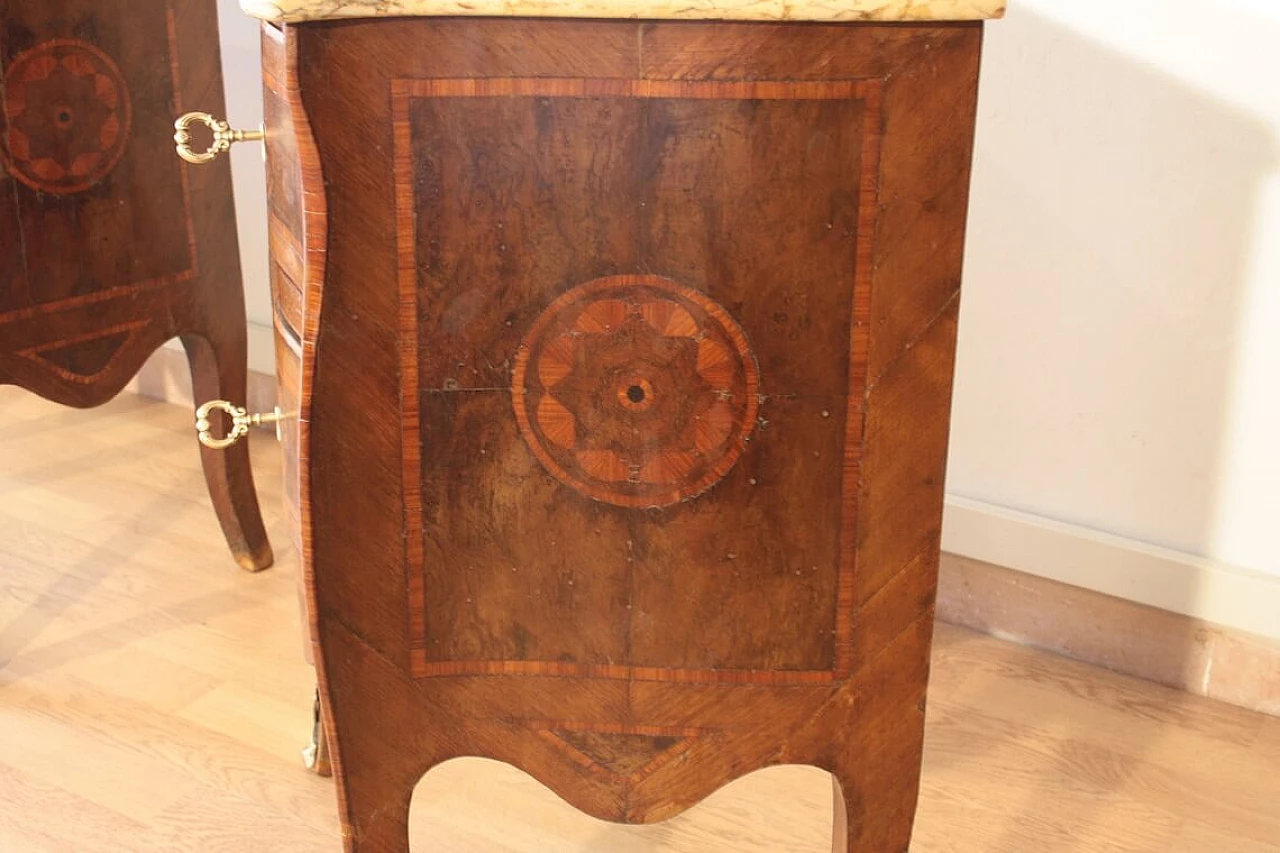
623,355
108,246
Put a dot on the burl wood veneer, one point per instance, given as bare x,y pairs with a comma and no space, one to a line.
109,245
626,362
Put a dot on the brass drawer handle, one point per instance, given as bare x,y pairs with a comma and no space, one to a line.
223,137
241,423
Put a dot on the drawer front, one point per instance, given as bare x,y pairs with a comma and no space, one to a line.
284,186
284,194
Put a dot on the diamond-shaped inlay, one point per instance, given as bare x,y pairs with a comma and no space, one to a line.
85,357
66,116
621,754
636,391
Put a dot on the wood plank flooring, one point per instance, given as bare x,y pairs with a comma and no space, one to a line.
153,698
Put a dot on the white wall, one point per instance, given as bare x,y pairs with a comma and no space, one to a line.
1118,391
1120,336
242,73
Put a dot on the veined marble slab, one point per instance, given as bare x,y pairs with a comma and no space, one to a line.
734,10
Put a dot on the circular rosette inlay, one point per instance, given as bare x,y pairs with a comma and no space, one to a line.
66,116
636,391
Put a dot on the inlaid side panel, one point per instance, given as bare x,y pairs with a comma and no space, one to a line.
599,226
631,342
89,92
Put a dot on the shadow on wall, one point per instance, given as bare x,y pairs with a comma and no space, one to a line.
1113,208
1111,243
1112,226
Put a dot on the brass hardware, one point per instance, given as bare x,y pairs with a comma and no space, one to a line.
223,137
241,423
316,755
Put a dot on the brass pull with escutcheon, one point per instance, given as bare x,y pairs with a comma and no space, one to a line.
223,137
241,423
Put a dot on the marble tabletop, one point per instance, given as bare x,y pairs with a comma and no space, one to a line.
738,10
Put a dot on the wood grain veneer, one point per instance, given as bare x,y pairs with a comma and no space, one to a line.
109,245
543,263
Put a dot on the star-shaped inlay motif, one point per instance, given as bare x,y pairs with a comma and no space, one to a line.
636,391
67,116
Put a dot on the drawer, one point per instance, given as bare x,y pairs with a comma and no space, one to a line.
284,180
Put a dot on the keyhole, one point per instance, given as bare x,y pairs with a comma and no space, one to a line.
635,394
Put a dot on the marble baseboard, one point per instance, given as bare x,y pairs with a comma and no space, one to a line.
1169,648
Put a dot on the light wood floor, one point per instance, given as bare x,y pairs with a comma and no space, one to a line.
153,698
